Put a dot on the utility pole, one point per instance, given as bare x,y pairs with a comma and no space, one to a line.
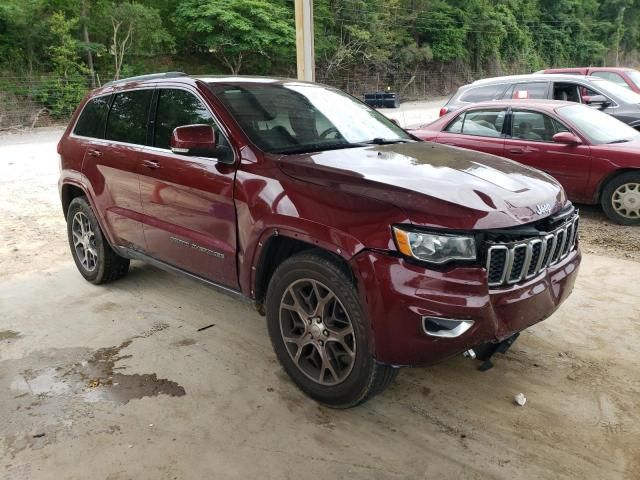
304,40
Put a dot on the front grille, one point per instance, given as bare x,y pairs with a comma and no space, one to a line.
512,262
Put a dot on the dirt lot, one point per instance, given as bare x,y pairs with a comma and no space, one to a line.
117,382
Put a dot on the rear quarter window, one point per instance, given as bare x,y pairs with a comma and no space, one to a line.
482,94
91,120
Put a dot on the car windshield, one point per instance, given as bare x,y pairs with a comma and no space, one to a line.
621,93
634,75
598,127
298,117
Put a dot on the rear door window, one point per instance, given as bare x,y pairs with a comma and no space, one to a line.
482,123
129,116
92,118
536,90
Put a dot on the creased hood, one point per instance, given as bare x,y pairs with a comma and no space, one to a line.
434,184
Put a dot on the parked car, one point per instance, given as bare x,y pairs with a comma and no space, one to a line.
595,157
604,95
625,77
366,249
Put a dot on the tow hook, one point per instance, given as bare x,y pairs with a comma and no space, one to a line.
485,351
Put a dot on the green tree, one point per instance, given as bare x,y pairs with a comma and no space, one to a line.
130,29
64,90
238,31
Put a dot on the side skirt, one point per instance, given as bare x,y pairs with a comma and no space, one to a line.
135,255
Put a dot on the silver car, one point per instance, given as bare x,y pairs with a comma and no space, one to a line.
602,94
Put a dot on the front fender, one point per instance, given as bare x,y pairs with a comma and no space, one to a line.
268,202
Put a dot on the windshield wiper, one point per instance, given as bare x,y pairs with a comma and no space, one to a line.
387,141
316,147
622,140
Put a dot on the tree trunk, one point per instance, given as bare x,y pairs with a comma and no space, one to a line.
85,34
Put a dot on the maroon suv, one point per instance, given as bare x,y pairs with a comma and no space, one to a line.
366,249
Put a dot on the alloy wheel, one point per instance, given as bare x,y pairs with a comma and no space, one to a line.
84,241
317,332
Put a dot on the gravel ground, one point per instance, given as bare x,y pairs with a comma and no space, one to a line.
117,382
599,235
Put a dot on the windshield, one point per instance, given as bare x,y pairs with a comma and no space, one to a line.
634,75
298,117
598,127
622,93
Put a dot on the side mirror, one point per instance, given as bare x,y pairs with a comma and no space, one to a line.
194,140
395,122
566,137
599,101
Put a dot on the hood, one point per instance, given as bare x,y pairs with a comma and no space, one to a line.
436,185
630,149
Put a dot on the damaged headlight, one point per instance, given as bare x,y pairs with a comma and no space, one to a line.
435,248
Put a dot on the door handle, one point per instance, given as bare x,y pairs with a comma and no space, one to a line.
152,164
516,151
92,152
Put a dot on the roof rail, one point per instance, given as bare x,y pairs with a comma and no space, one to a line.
140,78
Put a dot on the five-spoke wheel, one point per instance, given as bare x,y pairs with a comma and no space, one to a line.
84,241
94,257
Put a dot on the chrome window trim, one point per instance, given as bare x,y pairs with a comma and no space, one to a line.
151,147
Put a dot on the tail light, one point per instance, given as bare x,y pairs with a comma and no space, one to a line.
444,111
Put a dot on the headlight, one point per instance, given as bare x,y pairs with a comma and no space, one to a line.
434,247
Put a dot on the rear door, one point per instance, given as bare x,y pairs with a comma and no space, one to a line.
476,129
190,217
111,166
530,141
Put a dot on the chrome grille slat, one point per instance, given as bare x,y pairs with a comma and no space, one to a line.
510,263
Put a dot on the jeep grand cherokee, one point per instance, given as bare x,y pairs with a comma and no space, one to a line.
365,248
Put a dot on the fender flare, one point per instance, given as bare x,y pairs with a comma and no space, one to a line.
88,194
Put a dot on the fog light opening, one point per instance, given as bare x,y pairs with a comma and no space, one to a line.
445,327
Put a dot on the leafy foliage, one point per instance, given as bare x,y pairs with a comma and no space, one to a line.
390,37
237,31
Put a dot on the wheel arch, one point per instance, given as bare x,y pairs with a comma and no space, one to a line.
68,192
608,178
276,248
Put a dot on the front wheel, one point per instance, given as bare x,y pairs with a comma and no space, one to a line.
94,257
318,332
621,199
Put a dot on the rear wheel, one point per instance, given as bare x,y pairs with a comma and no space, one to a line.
319,334
94,257
621,199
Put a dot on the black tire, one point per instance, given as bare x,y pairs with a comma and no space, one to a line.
366,377
106,265
611,204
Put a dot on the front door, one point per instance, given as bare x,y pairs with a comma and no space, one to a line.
190,217
531,142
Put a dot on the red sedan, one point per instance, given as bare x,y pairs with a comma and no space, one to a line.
595,157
